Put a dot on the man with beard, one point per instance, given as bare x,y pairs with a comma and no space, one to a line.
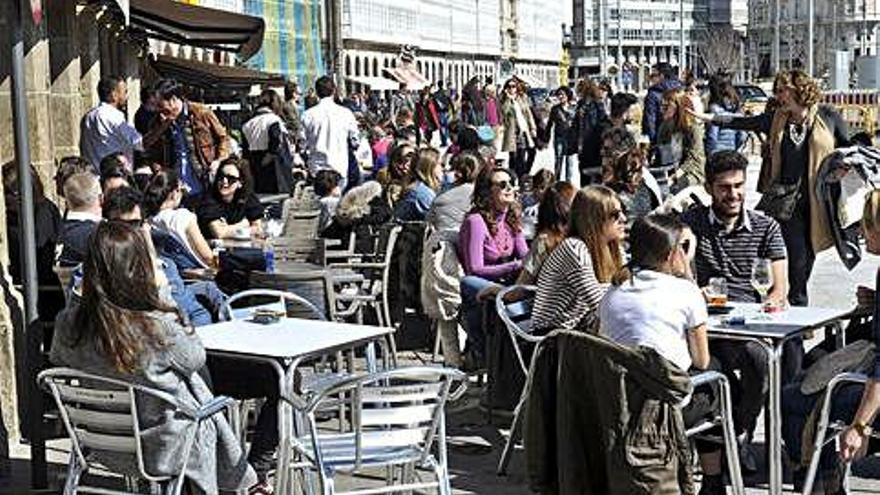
729,239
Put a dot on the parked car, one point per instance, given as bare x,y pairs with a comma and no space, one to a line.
753,98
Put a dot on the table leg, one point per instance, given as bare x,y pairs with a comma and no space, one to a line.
774,413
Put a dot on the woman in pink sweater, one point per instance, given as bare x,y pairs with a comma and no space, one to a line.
491,248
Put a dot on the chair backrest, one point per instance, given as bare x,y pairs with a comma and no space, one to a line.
100,414
395,409
514,307
278,300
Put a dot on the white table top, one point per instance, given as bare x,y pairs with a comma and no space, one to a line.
288,338
773,325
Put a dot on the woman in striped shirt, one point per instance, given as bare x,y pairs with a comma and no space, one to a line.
491,246
576,275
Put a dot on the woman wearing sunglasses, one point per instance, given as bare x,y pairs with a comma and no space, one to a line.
575,277
231,210
491,248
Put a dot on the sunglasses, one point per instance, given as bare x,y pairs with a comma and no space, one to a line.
617,215
229,179
504,185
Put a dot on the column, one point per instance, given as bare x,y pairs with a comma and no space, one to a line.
64,78
89,58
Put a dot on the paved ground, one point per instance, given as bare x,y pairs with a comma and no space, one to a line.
475,442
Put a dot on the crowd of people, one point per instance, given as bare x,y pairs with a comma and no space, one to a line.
607,237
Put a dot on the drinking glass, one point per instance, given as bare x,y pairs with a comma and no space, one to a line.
762,277
717,291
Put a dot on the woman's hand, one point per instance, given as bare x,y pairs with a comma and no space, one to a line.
852,445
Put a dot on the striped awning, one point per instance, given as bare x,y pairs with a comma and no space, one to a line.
196,26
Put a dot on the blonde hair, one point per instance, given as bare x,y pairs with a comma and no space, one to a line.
871,213
423,167
592,208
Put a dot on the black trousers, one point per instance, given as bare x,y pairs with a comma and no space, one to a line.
705,403
241,379
796,233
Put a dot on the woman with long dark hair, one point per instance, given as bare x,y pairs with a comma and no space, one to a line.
491,247
231,210
654,302
723,101
126,326
554,214
162,198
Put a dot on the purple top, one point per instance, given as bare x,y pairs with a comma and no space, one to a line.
492,112
481,253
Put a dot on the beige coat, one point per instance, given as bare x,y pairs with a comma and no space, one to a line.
821,145
508,120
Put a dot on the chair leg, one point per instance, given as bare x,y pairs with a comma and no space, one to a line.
74,472
819,441
730,445
511,440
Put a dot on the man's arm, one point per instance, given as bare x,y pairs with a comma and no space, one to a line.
853,441
220,136
779,293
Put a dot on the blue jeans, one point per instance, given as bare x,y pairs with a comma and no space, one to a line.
472,313
444,127
796,407
566,165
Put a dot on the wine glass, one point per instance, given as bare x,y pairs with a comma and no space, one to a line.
762,277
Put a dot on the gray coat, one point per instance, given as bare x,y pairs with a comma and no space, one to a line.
216,461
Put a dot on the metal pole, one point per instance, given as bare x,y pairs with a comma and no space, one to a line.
682,58
28,253
811,21
776,60
603,67
619,46
642,59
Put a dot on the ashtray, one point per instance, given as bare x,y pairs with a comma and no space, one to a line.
719,310
267,316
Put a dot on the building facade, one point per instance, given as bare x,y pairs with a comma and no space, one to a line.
840,25
610,36
454,40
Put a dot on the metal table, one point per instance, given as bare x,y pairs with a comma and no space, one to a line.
771,331
283,345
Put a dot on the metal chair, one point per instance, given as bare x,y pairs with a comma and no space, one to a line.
517,319
399,422
376,268
283,299
101,418
725,418
824,425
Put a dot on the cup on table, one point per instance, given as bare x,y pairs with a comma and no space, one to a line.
716,291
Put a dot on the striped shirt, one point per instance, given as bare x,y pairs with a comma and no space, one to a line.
731,254
568,292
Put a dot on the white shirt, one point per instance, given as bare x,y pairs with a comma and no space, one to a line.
330,130
104,131
256,130
175,222
655,310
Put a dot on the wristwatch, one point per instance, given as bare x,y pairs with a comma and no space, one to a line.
862,429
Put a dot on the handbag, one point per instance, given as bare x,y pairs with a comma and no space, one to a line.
486,134
780,201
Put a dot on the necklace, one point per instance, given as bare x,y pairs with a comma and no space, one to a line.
797,133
